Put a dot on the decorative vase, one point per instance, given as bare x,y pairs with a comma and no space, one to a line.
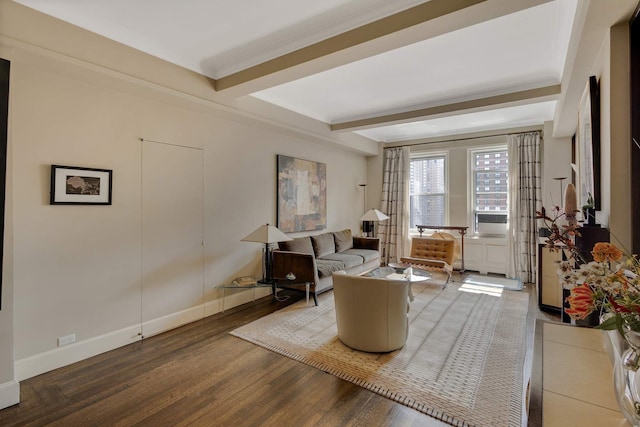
627,378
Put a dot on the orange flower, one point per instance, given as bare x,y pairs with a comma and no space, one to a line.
606,252
581,302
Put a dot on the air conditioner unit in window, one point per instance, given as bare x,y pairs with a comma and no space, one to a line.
491,223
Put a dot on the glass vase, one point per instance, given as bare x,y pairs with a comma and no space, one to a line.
627,378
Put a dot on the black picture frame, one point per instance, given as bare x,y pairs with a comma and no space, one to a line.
71,185
634,53
5,71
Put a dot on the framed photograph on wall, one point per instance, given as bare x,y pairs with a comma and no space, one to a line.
588,145
80,186
302,195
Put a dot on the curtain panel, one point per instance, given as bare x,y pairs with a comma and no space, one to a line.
394,201
524,200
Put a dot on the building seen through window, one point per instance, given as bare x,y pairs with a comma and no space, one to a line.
427,191
491,186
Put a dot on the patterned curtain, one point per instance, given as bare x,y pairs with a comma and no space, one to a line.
524,200
394,232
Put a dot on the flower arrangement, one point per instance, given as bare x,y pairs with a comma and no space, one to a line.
561,235
609,285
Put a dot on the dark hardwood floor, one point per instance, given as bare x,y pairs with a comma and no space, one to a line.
200,375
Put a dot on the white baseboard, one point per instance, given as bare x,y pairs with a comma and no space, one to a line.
9,394
63,356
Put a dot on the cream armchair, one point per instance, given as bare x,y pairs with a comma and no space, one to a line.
371,313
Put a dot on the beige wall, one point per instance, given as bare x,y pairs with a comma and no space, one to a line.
617,180
612,71
9,388
78,99
77,269
556,163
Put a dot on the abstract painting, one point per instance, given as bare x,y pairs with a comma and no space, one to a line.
302,195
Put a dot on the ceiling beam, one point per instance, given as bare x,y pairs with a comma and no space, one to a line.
418,14
541,94
427,20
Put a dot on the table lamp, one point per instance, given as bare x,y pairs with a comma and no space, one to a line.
369,219
267,234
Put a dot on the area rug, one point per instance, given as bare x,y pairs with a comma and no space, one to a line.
463,363
501,282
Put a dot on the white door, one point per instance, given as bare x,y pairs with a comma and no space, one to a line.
172,236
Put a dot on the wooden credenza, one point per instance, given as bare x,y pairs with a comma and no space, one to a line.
550,293
549,285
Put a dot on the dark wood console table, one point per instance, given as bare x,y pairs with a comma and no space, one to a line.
461,230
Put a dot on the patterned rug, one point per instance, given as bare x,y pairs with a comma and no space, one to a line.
463,363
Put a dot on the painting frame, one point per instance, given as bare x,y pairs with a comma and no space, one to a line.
68,187
588,145
301,194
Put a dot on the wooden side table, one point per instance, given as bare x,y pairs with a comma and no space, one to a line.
237,286
274,285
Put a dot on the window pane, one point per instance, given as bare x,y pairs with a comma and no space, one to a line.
491,186
427,210
491,201
427,176
427,191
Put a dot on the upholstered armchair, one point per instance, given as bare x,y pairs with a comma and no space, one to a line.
432,255
371,313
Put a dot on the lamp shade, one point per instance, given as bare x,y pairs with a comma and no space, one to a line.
267,234
373,215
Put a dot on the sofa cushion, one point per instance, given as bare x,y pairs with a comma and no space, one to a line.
323,244
327,267
343,239
348,260
299,244
366,254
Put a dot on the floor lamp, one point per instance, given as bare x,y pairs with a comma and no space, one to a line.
267,234
561,178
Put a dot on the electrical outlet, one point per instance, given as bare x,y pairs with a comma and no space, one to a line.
68,339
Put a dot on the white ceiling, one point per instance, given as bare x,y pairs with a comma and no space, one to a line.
479,52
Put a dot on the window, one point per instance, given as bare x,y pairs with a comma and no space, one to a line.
490,173
427,191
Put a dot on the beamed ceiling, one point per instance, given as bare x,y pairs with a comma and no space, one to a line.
386,70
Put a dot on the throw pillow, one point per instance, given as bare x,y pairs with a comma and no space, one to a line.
300,244
323,244
344,240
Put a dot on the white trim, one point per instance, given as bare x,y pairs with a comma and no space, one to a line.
9,394
62,356
171,321
233,298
